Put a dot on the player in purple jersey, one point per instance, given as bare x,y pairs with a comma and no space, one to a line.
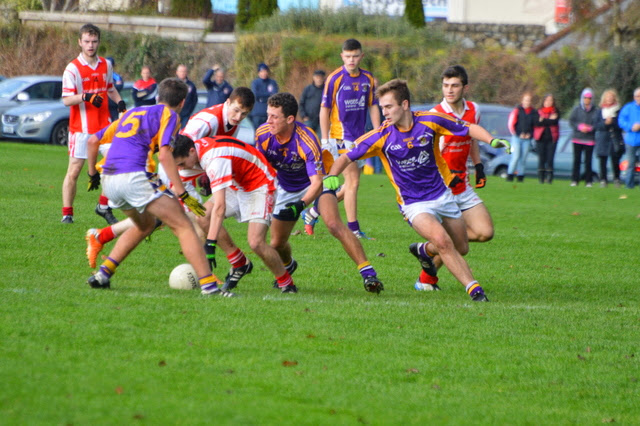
349,93
140,194
293,150
407,144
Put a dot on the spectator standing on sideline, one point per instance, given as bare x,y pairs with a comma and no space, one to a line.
629,120
609,142
118,83
88,112
583,120
192,96
218,89
546,132
310,101
145,90
521,121
262,88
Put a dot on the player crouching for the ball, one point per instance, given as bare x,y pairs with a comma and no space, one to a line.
242,186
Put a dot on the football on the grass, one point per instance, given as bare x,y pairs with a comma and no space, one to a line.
184,277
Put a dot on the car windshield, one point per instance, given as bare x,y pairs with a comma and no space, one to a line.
495,123
8,88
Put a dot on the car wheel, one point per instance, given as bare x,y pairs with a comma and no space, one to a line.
501,171
60,133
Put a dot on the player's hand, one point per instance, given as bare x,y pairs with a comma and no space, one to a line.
93,98
456,180
481,178
122,107
331,182
330,145
210,252
193,204
292,210
499,143
94,182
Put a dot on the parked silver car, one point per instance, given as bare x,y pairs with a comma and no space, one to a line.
29,88
44,122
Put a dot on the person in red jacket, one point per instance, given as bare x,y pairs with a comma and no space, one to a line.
521,121
546,132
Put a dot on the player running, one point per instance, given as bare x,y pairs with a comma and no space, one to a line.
139,194
407,145
456,150
293,150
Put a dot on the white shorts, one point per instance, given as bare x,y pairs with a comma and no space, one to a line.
78,144
445,206
133,190
346,146
285,197
467,199
255,206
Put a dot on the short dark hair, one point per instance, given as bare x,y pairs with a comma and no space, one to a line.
319,72
286,101
351,45
244,96
456,71
172,91
89,29
181,146
398,87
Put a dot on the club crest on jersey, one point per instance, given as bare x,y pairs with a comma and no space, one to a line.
423,140
356,86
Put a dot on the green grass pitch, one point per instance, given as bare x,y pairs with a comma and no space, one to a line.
559,343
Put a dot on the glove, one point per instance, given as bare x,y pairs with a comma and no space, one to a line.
292,210
93,98
122,107
193,204
456,180
94,182
330,145
499,143
331,182
210,252
481,178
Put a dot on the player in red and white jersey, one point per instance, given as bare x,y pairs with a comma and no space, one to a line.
243,186
456,150
222,119
86,83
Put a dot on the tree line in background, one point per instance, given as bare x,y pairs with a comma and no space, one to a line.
296,43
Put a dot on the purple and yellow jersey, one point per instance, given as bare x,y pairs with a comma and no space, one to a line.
140,131
294,160
105,137
411,159
348,97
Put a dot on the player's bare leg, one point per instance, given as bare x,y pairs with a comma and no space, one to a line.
443,239
479,224
328,208
351,184
257,239
69,185
280,233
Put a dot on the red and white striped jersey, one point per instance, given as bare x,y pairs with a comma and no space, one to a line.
210,122
455,149
80,77
230,162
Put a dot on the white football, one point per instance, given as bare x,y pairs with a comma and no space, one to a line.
184,277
